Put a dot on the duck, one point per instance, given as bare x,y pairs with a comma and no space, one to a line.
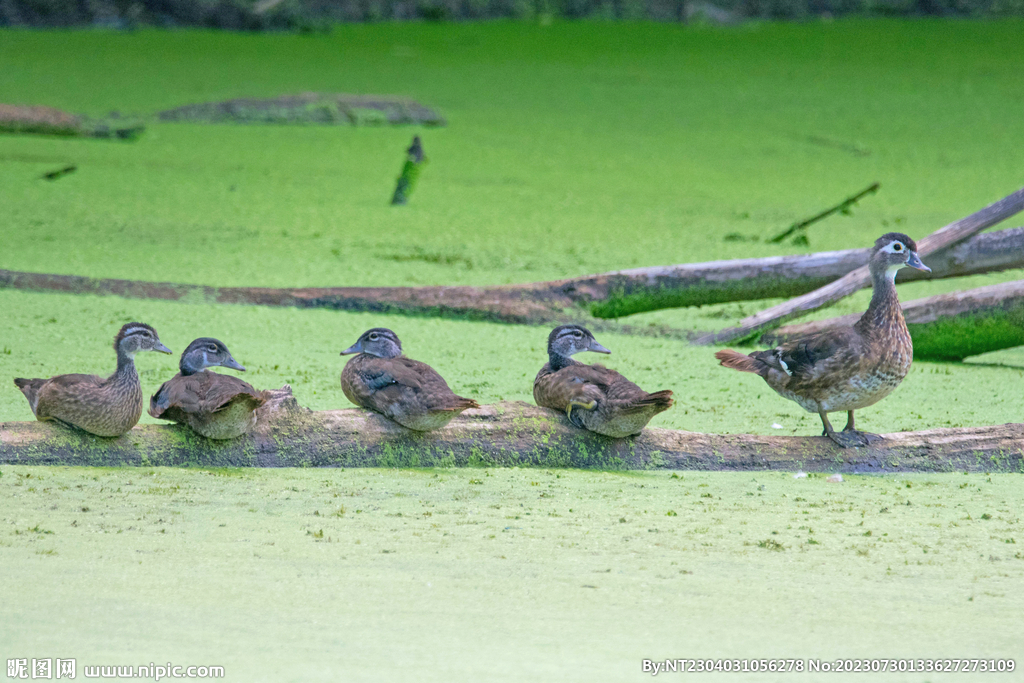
105,407
593,397
215,406
411,393
846,369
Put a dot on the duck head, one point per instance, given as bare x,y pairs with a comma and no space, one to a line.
380,342
565,340
893,251
207,352
136,337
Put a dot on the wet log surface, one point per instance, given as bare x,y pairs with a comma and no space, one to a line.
500,435
948,326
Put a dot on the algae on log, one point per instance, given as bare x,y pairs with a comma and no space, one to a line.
503,434
948,326
638,290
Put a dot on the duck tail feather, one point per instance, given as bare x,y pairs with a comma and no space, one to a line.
738,361
662,399
30,387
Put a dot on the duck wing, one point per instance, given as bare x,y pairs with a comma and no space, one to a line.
202,393
811,359
73,391
581,383
399,385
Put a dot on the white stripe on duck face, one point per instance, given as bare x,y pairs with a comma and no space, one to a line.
137,330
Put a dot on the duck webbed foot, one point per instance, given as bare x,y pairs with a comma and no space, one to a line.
848,438
575,419
867,437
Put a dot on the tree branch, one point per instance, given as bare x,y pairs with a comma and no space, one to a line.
608,295
841,206
860,278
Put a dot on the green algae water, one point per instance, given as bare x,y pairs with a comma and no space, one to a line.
504,575
571,149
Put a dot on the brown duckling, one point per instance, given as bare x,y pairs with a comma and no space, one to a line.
593,396
104,407
849,368
216,406
409,392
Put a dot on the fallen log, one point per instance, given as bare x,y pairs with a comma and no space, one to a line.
518,304
41,120
501,435
625,292
858,279
948,326
608,295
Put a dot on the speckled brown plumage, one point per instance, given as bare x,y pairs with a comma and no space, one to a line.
407,391
104,407
593,397
214,405
850,368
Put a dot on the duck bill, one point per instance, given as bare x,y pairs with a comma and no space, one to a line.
914,261
233,364
161,348
597,348
355,348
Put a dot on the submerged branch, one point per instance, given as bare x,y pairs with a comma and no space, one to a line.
838,208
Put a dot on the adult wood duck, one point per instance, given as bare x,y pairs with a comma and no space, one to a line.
216,406
104,407
409,392
849,368
593,396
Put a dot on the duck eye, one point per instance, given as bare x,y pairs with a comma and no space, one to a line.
374,337
212,348
897,247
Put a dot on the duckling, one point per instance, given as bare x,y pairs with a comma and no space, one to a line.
849,368
104,407
592,396
216,406
409,392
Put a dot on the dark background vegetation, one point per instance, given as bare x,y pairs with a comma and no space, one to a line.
313,15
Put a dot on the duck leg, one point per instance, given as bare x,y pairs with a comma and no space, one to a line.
588,405
843,439
866,436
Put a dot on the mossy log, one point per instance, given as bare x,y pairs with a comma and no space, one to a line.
501,435
608,295
41,120
855,280
698,284
948,326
